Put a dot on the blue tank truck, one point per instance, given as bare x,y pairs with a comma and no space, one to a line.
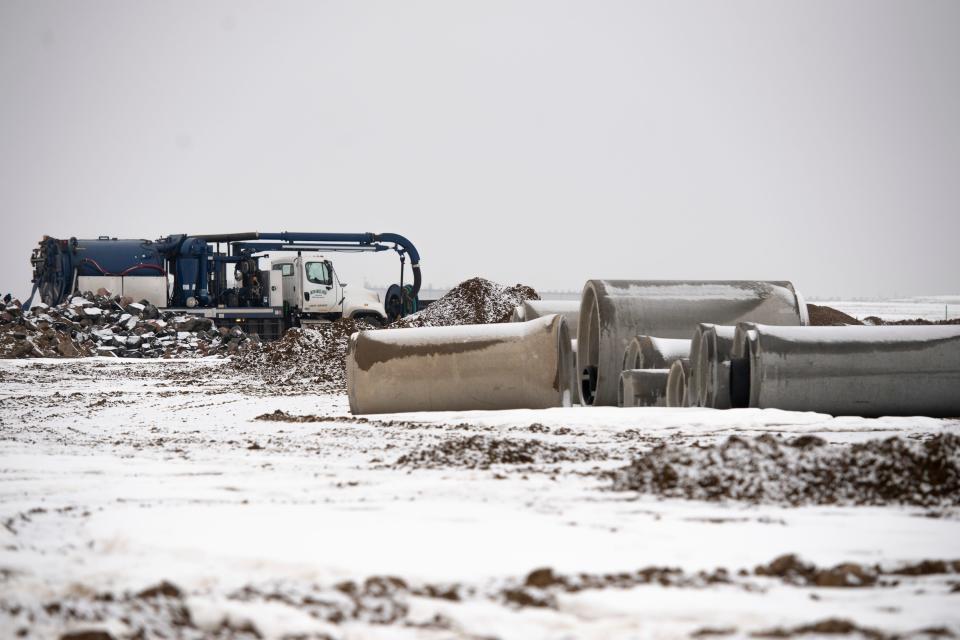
219,276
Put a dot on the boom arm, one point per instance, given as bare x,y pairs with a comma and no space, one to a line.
291,241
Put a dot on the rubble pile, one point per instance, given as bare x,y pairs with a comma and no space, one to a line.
100,324
803,471
315,355
473,301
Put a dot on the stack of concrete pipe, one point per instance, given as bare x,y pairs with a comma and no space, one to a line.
863,371
748,348
646,369
613,312
522,365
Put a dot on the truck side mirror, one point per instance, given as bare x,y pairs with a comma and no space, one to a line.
343,284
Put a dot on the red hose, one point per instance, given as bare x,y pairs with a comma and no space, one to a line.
144,265
141,265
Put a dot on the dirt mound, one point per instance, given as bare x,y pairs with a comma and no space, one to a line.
101,324
821,316
480,452
317,356
874,320
804,471
792,570
314,356
473,301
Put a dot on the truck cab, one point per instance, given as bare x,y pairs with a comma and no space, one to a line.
313,292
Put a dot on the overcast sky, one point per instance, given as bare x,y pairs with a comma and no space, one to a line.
536,142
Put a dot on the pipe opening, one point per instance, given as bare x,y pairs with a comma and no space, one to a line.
588,384
740,383
588,346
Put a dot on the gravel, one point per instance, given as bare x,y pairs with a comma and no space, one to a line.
473,301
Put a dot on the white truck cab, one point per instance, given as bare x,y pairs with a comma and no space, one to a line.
312,290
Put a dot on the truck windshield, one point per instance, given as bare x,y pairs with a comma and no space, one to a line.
318,272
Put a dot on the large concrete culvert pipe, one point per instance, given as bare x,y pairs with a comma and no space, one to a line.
570,310
643,388
612,312
522,365
862,371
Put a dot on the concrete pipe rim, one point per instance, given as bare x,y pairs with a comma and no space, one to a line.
588,345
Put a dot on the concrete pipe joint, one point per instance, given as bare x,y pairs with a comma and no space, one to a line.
862,371
643,388
612,312
522,365
677,392
709,381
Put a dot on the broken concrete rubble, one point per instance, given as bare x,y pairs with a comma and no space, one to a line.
102,324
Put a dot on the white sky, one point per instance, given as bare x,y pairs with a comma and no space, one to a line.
539,142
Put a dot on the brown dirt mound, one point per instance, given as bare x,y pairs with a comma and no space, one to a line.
874,320
473,301
312,356
804,471
821,316
480,452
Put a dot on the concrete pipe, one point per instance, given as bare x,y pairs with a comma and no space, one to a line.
695,343
643,388
522,365
709,386
862,371
612,312
677,383
648,352
570,310
744,336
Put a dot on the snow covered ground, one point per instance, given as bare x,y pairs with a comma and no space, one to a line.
172,497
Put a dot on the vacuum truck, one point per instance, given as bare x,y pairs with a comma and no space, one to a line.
263,282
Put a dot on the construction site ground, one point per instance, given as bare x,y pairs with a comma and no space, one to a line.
174,497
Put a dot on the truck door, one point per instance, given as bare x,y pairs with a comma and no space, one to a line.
289,284
319,292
